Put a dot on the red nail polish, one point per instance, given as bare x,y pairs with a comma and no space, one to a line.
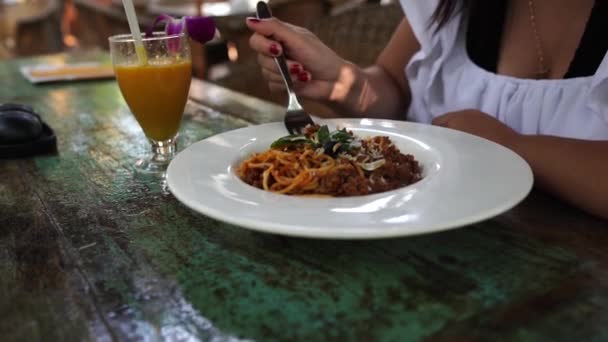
274,49
303,77
295,69
253,20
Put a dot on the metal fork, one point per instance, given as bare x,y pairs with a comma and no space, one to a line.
295,117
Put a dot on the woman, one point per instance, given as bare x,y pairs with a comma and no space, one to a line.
531,75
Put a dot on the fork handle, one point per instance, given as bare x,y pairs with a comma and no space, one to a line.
263,12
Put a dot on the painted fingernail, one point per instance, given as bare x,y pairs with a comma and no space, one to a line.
253,20
274,49
303,77
295,69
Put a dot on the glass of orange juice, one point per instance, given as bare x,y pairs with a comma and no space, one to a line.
155,88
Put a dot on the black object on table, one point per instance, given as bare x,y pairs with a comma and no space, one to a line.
23,133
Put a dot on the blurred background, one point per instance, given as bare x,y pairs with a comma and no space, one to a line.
357,29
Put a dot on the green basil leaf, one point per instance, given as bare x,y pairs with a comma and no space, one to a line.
345,147
323,135
293,139
341,136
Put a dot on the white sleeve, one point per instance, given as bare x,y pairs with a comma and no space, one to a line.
599,90
419,13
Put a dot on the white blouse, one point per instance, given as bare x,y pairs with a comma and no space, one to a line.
444,79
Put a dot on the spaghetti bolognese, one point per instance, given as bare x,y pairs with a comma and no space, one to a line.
338,163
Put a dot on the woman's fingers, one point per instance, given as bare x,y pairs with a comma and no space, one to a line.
270,70
275,76
268,63
276,83
271,75
319,66
276,87
279,86
268,49
265,45
289,34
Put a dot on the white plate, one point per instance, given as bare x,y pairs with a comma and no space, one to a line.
466,180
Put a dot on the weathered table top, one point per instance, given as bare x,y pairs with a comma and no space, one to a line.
91,251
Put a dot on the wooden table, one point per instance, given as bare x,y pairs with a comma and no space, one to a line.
89,250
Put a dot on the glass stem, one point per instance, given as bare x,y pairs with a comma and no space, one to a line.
164,151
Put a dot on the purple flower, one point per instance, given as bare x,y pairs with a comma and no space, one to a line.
200,29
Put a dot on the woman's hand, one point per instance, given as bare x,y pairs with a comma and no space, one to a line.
572,169
314,67
480,124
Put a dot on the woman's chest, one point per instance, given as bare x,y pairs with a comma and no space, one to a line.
535,39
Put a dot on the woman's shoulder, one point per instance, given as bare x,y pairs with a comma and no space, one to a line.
419,14
419,9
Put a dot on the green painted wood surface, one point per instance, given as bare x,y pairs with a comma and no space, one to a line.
89,250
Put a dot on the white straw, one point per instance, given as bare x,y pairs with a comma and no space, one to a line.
134,27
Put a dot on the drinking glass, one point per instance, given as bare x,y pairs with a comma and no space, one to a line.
155,88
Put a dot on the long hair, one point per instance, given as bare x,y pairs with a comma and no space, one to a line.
446,9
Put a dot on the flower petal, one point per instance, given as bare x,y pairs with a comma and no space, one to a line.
159,19
174,26
200,29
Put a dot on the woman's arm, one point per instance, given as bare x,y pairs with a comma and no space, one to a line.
319,74
572,169
575,170
382,89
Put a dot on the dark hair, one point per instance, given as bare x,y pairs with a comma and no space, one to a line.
446,9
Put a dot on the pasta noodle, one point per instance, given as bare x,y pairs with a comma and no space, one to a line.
346,166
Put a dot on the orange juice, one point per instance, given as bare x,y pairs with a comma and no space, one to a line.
156,94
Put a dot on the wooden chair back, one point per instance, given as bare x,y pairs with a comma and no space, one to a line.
359,34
